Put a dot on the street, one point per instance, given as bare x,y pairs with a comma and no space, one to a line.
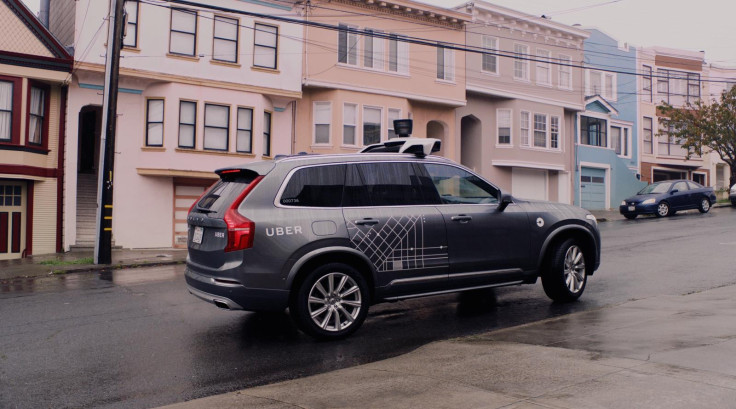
135,338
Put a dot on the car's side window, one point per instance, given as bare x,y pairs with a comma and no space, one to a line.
316,186
392,184
456,185
680,186
693,185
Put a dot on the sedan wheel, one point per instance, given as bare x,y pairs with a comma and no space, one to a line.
663,209
565,277
704,205
332,302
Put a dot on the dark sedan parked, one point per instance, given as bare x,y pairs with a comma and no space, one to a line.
667,197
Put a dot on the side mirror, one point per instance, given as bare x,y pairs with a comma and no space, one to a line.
674,191
505,201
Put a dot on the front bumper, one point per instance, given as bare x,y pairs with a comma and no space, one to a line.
234,296
638,209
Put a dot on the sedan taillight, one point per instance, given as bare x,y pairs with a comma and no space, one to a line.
240,230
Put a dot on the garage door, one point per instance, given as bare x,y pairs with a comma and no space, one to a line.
529,183
185,193
593,188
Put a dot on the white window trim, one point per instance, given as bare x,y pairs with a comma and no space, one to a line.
559,72
559,132
314,125
382,136
531,139
511,128
342,141
548,65
622,125
402,62
524,61
608,129
528,128
604,74
383,54
495,49
358,63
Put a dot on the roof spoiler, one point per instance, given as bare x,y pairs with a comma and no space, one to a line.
420,147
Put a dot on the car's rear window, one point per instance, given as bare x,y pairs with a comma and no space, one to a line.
222,195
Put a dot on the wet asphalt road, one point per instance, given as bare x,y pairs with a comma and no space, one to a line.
136,339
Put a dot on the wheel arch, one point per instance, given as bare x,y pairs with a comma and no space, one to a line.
584,237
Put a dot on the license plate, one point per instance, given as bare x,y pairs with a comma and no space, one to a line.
197,236
632,208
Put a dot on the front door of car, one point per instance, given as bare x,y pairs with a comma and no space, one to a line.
485,244
391,218
679,195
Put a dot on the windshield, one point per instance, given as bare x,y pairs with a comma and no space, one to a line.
661,187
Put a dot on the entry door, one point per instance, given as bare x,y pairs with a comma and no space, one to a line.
593,188
12,219
390,220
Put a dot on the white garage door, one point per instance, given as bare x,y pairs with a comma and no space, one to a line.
185,193
529,183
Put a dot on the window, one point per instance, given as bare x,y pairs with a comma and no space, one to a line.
681,187
524,128
373,51
131,29
265,46
187,124
371,125
616,139
593,131
6,111
646,84
602,84
37,114
244,136
503,118
266,133
456,185
322,121
490,61
521,62
155,122
183,36
668,144
396,184
647,135
10,195
393,114
225,42
216,127
698,181
347,45
445,64
565,72
544,70
398,55
349,123
316,186
554,132
678,87
540,130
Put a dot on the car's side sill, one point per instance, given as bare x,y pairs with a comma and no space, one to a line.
454,290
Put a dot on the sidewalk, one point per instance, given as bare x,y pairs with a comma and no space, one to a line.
662,352
82,260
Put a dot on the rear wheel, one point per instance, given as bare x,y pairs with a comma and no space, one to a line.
331,302
704,205
564,276
663,209
630,216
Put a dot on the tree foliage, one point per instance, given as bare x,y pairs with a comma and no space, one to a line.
706,126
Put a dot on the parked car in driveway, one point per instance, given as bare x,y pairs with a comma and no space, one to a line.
732,196
667,197
326,236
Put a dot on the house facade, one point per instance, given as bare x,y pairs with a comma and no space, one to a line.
672,76
722,78
607,149
367,72
199,90
524,92
34,70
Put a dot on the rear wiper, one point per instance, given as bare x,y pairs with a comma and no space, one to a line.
203,210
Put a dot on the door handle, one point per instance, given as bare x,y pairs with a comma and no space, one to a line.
463,218
366,222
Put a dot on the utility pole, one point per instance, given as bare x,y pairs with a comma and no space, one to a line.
103,242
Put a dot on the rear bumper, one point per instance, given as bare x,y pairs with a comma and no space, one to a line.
235,296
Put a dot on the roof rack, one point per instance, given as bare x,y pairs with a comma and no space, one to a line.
420,147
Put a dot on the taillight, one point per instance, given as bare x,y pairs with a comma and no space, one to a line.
240,230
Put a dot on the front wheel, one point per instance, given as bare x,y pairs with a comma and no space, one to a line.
663,209
704,205
331,302
564,276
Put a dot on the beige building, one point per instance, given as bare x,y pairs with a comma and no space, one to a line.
34,70
367,72
518,127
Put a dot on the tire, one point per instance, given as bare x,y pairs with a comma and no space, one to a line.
704,205
733,203
564,276
630,216
331,302
663,209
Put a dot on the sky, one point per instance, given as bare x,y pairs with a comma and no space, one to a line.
695,25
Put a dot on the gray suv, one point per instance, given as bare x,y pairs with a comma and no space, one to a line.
329,235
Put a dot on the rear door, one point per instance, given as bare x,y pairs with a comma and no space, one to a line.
390,215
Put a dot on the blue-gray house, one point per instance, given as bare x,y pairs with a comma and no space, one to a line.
606,150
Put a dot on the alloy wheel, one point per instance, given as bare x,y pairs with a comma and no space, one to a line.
334,302
705,205
663,209
574,269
